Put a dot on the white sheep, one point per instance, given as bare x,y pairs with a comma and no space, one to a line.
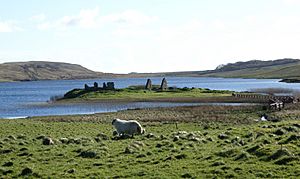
124,127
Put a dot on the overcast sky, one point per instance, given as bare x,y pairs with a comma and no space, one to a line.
123,36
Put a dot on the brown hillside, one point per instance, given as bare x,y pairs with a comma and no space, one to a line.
38,70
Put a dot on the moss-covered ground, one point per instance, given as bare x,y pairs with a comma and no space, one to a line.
187,142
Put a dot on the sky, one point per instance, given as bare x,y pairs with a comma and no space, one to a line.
122,36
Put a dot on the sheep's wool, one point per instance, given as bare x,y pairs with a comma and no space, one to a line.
127,127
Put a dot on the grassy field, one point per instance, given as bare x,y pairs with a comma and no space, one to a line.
208,142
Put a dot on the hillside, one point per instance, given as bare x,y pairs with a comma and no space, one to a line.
254,64
283,68
276,69
38,70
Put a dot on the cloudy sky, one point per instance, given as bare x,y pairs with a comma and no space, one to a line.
124,36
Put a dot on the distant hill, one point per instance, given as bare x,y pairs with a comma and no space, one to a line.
254,64
282,68
40,70
277,69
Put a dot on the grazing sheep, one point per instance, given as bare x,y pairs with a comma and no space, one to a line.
124,127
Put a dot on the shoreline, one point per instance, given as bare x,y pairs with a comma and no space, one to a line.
217,99
191,106
128,104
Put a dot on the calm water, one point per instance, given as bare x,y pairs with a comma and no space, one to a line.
19,99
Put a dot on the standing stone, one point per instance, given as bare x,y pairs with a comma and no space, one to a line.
95,85
148,85
110,85
164,84
104,85
86,87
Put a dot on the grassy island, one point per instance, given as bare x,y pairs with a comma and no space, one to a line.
138,93
148,92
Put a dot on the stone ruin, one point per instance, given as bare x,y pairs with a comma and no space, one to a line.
164,84
148,85
110,86
106,86
86,87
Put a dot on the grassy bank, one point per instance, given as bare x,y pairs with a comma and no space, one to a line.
209,141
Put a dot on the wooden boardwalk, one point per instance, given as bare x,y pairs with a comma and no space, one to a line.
285,99
274,102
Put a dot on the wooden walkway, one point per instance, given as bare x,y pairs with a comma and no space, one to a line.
274,102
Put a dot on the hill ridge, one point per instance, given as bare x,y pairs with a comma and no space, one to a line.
255,64
286,68
45,70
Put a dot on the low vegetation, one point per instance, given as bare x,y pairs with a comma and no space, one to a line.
187,142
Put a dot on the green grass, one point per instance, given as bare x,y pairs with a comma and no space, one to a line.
217,146
139,94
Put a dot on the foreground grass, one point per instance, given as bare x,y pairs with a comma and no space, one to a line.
227,143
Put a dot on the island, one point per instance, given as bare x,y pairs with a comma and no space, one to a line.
144,93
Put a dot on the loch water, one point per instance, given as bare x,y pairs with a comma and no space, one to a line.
22,99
